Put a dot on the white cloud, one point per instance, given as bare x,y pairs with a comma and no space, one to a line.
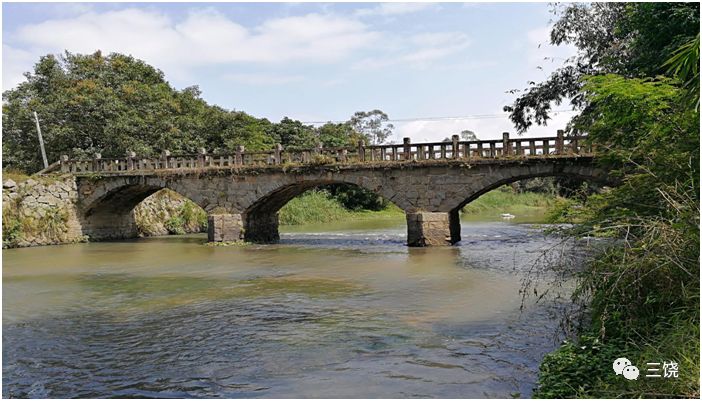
14,63
484,128
418,50
202,38
391,9
263,79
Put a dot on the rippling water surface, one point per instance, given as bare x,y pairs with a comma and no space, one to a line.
341,310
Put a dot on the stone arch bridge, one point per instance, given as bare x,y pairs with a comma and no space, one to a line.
243,192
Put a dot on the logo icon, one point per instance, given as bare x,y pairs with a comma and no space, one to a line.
631,372
623,366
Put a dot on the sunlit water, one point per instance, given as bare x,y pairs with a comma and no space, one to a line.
339,310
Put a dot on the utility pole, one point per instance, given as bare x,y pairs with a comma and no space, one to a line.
41,141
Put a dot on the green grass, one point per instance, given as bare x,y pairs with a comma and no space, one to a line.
642,298
312,207
504,200
319,207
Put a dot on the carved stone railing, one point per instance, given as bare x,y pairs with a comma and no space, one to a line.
504,148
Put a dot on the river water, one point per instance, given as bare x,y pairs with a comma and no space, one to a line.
334,310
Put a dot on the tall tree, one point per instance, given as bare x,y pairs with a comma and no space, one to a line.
110,104
630,39
373,125
468,135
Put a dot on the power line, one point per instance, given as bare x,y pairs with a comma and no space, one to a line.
448,118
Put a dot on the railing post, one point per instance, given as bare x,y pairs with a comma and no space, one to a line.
96,161
64,164
559,142
130,160
506,146
165,154
454,139
239,155
201,155
361,151
407,148
574,144
278,153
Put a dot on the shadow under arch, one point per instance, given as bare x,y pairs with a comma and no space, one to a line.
260,220
596,178
110,215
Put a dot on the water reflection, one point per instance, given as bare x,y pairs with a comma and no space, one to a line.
329,312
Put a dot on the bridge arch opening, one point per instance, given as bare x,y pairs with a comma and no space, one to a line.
141,209
261,219
560,184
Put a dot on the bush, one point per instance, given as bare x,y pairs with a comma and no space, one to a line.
175,225
356,198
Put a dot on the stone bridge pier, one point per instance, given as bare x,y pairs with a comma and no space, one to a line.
423,228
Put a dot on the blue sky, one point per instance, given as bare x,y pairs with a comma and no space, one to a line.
315,61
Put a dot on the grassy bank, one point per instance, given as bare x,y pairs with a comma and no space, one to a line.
505,200
642,303
319,207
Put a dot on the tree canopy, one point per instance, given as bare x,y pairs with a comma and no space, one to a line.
630,39
112,104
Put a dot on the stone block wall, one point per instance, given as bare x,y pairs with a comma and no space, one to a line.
45,211
40,212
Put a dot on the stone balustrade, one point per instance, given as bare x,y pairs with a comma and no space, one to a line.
505,148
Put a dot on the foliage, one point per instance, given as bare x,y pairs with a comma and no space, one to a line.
468,135
175,225
685,65
93,103
373,125
506,200
630,39
20,225
11,225
314,206
193,215
293,134
643,291
338,135
648,136
356,198
167,212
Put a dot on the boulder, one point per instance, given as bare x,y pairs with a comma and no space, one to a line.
9,184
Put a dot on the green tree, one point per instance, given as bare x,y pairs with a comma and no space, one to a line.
92,103
293,134
95,104
338,135
373,125
468,135
630,39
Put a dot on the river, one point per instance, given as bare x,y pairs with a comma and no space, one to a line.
334,310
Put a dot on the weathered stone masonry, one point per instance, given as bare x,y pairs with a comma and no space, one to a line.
242,203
